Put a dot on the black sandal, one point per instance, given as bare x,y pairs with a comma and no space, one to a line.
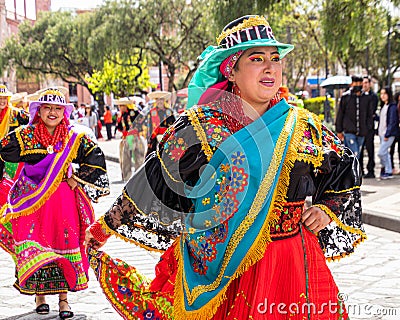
65,314
43,308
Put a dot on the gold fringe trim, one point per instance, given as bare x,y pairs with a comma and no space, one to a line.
343,191
292,155
200,133
257,250
72,155
305,115
108,293
166,311
303,125
34,151
165,168
340,224
110,231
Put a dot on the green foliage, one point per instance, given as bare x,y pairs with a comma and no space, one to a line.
71,47
175,32
316,105
170,31
54,45
122,77
224,11
349,26
298,23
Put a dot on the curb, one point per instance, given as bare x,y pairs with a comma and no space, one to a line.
381,220
111,158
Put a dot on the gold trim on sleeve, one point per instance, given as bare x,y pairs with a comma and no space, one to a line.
200,133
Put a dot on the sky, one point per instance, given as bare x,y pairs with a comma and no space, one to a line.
79,4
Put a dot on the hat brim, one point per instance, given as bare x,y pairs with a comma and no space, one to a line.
31,97
159,95
124,101
62,89
18,97
6,94
35,105
208,73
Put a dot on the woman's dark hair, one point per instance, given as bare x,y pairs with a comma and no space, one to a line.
389,92
107,107
90,110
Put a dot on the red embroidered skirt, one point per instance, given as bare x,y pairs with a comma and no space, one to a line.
292,281
288,283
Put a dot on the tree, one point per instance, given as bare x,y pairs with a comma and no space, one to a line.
55,45
298,23
228,10
173,32
123,78
348,25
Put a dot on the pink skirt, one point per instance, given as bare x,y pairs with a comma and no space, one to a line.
48,250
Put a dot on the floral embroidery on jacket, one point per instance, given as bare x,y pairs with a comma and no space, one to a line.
26,136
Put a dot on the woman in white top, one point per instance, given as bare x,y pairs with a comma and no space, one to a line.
388,130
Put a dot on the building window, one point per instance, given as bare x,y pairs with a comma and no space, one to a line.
21,9
30,6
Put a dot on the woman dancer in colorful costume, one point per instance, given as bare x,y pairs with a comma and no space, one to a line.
224,198
125,123
10,119
48,208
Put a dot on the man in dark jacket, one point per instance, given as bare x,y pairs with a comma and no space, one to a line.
369,138
355,117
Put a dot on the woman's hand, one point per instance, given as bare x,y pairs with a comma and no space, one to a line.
315,219
90,241
72,183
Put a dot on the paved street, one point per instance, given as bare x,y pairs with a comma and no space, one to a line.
369,279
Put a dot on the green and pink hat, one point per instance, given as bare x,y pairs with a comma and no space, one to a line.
216,62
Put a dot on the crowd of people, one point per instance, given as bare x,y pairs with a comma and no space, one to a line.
361,117
219,189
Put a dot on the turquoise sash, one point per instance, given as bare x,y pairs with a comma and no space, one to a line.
232,200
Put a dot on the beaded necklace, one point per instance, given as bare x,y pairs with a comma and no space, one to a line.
49,141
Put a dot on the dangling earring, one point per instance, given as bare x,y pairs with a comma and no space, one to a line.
235,90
